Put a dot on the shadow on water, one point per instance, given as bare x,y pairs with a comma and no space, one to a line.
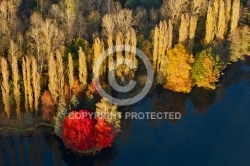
46,149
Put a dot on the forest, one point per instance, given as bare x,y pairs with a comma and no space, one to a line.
48,49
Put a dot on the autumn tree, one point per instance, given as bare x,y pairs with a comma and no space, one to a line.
109,112
240,43
83,72
221,27
163,36
48,106
130,60
178,70
184,28
27,78
16,78
206,69
221,14
36,83
197,9
60,72
111,64
235,15
117,27
211,21
70,71
13,54
5,87
228,6
98,48
24,74
56,76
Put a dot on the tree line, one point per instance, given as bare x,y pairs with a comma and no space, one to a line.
48,47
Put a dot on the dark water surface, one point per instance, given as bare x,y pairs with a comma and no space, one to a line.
214,130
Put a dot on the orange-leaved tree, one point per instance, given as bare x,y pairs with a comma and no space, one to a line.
178,70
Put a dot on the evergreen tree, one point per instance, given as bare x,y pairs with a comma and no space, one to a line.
61,114
74,102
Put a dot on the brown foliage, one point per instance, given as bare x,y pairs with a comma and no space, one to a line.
67,92
77,88
48,106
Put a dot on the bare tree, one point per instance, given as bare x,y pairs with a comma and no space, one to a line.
108,25
173,8
45,38
10,24
123,20
36,36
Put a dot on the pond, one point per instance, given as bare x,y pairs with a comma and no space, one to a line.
214,129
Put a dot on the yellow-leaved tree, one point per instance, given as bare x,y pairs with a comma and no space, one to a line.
206,69
178,70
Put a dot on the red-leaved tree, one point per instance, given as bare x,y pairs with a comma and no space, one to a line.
78,132
82,133
104,134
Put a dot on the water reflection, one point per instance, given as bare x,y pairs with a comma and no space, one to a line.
163,101
202,99
125,126
46,149
43,148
